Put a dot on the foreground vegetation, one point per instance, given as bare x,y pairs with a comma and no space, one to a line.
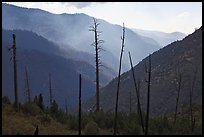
54,121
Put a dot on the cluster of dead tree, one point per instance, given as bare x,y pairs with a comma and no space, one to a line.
98,48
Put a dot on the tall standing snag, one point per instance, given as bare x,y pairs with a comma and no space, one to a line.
98,48
28,85
137,92
148,94
50,89
15,74
116,107
79,128
66,111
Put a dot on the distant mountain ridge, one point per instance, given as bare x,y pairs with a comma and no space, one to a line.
73,30
162,38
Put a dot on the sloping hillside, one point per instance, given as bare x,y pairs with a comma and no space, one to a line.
183,56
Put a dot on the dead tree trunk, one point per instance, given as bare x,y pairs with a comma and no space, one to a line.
98,48
130,103
137,93
16,104
50,89
139,109
121,54
66,107
79,128
148,94
28,85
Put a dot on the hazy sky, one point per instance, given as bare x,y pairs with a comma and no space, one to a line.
160,16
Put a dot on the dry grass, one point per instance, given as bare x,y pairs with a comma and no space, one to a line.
14,123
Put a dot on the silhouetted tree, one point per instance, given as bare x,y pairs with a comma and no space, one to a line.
66,111
16,104
40,102
121,54
50,89
98,48
148,93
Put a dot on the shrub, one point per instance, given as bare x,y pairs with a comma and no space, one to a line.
5,100
72,122
131,128
91,128
99,118
31,108
45,119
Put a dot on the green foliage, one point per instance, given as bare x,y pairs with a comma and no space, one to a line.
72,122
99,118
109,120
131,128
182,126
61,116
39,101
160,126
85,119
54,109
45,119
31,108
91,128
5,100
127,124
132,125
